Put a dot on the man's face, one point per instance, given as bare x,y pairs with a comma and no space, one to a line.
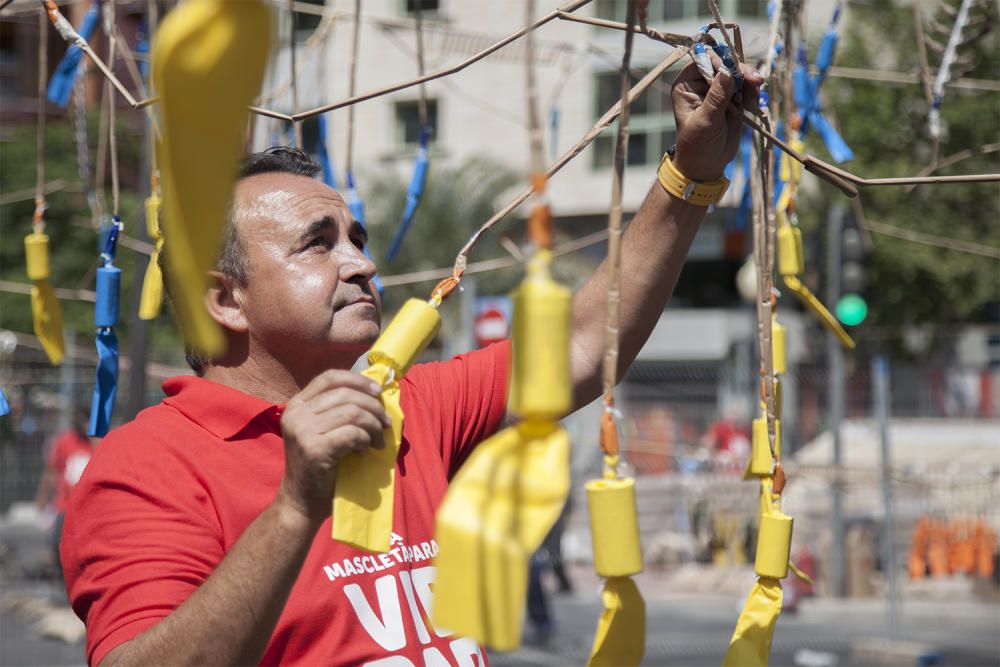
309,298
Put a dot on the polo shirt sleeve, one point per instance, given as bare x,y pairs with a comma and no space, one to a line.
465,398
140,537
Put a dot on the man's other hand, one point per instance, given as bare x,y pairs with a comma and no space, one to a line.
337,414
708,125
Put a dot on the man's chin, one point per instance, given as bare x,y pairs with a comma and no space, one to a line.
363,336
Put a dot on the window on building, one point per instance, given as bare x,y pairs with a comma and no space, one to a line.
306,23
651,121
10,72
661,11
310,135
424,5
752,8
408,121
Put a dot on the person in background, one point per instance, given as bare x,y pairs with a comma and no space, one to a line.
68,454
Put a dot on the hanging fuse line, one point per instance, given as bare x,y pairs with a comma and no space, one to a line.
750,643
506,497
294,72
354,201
353,99
418,180
108,290
106,310
602,124
620,638
944,73
46,312
61,85
66,31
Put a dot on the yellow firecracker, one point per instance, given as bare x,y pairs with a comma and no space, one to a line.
791,265
506,497
363,498
208,63
46,312
620,638
151,300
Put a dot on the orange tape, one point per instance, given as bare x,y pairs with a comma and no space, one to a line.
540,220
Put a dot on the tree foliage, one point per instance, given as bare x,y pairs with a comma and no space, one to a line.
456,201
70,227
886,126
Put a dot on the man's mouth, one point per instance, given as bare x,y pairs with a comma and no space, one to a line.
360,301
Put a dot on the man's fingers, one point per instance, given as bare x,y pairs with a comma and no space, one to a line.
752,81
353,438
331,400
341,415
719,93
690,78
339,378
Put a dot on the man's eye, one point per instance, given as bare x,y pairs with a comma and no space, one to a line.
319,241
359,243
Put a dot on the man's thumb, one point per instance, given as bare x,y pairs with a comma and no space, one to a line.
720,92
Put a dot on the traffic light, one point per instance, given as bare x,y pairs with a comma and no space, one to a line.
852,308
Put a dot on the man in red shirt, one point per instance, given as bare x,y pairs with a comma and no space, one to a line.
200,533
68,455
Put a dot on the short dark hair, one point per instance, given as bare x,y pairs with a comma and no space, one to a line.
232,259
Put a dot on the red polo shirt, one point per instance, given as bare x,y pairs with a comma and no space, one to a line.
168,494
70,455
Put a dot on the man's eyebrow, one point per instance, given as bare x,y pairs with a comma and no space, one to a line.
316,228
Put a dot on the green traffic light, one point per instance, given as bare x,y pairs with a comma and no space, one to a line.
852,310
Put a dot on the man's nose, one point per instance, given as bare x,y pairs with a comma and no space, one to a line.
357,265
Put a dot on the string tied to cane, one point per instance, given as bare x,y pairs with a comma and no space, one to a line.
61,84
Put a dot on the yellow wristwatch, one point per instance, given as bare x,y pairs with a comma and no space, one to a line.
682,187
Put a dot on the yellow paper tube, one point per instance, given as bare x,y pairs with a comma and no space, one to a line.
777,398
790,258
826,318
540,387
497,511
153,216
791,170
36,255
208,63
151,300
761,462
406,337
46,314
614,527
620,640
779,346
363,497
750,645
774,545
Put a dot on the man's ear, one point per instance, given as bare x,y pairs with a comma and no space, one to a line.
224,302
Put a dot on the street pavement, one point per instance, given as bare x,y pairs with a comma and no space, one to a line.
682,631
694,631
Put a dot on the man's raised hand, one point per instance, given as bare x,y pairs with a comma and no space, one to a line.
708,128
337,414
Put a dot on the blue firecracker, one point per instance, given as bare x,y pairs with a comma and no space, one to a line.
61,84
106,309
323,155
413,193
357,207
807,92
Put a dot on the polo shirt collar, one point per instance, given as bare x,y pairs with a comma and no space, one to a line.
221,410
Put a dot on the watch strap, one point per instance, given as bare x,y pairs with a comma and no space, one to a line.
682,187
